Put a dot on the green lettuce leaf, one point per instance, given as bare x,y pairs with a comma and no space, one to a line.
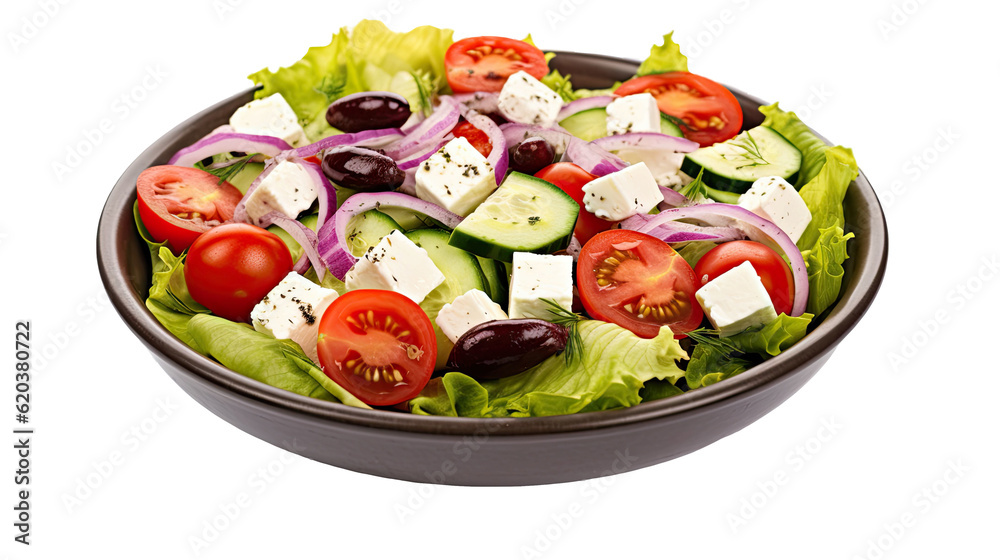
813,147
610,374
367,57
656,389
560,84
709,364
824,262
773,338
664,58
693,251
824,194
279,363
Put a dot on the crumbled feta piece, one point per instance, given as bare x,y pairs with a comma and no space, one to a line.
774,199
270,116
468,310
736,300
292,310
526,100
633,113
395,264
457,178
621,194
288,189
535,277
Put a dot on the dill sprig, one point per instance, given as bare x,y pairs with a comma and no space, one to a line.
695,188
710,338
228,169
749,145
566,318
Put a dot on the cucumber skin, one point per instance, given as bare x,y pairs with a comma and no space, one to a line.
719,182
496,279
494,250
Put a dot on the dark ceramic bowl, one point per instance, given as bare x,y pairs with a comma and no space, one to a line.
468,451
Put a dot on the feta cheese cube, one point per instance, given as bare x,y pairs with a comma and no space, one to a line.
288,189
457,178
292,310
663,164
736,300
772,198
395,264
621,194
535,277
468,310
270,116
526,100
633,113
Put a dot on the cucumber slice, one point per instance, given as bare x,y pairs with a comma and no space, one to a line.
367,229
524,214
735,164
591,124
496,280
461,274
294,248
246,176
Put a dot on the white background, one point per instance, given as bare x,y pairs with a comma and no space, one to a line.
910,86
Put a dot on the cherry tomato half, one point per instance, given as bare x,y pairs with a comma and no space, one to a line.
233,266
571,178
485,63
710,112
378,345
770,267
479,139
637,282
177,204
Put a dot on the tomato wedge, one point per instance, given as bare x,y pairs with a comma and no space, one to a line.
479,139
638,282
177,204
770,267
571,178
710,113
378,345
485,63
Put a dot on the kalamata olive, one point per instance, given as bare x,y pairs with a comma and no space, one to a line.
368,110
532,155
503,348
362,169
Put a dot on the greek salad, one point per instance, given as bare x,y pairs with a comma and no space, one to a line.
452,228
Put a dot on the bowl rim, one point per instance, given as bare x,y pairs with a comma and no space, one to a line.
112,264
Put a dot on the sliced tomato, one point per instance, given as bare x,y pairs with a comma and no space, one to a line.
177,204
485,63
378,345
770,267
571,178
637,282
231,267
479,139
710,113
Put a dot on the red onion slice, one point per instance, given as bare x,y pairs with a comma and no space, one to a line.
672,199
430,130
681,232
332,245
325,191
574,107
498,158
365,139
515,133
303,236
755,227
646,142
224,142
593,158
